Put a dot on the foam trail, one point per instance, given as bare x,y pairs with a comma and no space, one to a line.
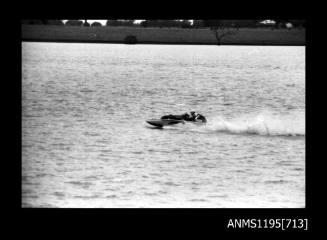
262,124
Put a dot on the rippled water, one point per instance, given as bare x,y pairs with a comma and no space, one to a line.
85,142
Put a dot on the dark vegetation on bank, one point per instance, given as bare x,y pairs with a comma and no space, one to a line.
227,32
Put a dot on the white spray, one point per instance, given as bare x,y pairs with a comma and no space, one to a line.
265,123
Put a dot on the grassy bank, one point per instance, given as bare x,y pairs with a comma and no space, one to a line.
293,37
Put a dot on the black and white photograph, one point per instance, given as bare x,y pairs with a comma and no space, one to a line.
163,113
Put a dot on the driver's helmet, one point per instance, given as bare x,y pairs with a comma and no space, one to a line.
192,113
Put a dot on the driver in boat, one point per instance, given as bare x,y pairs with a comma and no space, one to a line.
193,116
197,117
186,117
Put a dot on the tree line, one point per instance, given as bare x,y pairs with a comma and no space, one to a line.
241,23
164,23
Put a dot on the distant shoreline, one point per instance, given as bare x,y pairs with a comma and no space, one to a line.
116,35
150,43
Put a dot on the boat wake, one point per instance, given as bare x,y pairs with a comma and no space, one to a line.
261,124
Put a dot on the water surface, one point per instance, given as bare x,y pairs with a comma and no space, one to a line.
86,143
